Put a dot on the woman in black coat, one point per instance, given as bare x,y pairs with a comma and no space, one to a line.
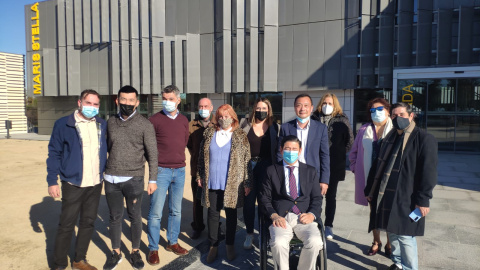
262,133
340,138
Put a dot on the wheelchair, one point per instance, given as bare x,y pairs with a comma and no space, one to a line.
295,247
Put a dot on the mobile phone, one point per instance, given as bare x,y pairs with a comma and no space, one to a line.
416,215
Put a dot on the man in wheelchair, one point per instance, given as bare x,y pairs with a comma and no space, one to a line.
291,200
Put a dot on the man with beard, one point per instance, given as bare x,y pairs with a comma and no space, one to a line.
400,183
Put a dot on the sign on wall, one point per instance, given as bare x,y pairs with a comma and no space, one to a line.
36,57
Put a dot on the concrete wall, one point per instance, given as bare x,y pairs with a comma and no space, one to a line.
50,109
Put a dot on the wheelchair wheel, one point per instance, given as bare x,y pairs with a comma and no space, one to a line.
322,257
263,244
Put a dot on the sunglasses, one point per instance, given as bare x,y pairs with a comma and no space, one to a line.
372,110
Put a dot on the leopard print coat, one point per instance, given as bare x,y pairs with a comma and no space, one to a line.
239,175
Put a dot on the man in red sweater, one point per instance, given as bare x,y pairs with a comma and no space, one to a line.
171,129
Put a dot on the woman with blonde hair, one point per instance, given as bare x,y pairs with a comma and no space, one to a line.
340,139
364,151
262,133
223,173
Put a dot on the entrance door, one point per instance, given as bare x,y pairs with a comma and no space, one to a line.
447,108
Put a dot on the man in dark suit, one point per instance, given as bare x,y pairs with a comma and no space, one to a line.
400,182
314,138
290,197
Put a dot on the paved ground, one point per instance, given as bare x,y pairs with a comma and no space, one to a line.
29,219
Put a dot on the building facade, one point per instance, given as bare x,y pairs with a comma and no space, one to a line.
12,93
236,50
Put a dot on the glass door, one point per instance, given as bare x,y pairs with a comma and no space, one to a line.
467,134
441,99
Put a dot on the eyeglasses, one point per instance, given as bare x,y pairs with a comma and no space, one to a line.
372,110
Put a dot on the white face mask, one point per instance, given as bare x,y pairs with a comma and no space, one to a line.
169,106
204,113
327,109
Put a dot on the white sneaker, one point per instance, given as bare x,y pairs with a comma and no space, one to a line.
329,232
248,244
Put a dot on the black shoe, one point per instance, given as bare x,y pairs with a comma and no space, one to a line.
113,261
393,267
136,260
196,234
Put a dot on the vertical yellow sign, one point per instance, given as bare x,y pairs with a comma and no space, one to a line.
36,57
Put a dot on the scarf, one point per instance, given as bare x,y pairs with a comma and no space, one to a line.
368,138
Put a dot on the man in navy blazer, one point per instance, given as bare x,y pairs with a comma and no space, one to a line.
290,198
314,138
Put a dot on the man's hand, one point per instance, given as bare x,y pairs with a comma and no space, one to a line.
306,218
199,182
324,188
151,188
369,199
247,191
54,191
279,221
423,210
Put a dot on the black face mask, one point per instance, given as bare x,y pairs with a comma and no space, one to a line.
126,109
400,123
261,115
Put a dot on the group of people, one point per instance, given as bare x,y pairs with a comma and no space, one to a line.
236,163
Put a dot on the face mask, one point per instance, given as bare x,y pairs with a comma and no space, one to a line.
261,115
400,123
290,156
204,113
327,109
378,116
303,120
89,111
126,109
169,106
225,123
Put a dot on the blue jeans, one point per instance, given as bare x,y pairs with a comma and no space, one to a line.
404,251
171,180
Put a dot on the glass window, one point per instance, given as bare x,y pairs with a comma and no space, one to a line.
448,108
414,92
361,99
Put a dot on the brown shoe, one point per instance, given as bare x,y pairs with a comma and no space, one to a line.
152,258
177,249
212,254
231,252
82,265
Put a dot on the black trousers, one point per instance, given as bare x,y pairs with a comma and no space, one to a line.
259,174
216,205
197,223
331,202
132,192
76,201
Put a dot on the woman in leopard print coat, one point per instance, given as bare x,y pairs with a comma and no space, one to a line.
224,175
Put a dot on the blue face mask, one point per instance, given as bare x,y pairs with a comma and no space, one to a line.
303,120
378,116
204,113
89,111
169,106
290,156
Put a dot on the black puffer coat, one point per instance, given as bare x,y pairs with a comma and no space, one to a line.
340,139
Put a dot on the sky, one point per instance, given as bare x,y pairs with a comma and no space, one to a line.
12,25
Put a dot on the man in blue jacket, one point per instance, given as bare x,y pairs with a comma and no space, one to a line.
77,152
314,138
